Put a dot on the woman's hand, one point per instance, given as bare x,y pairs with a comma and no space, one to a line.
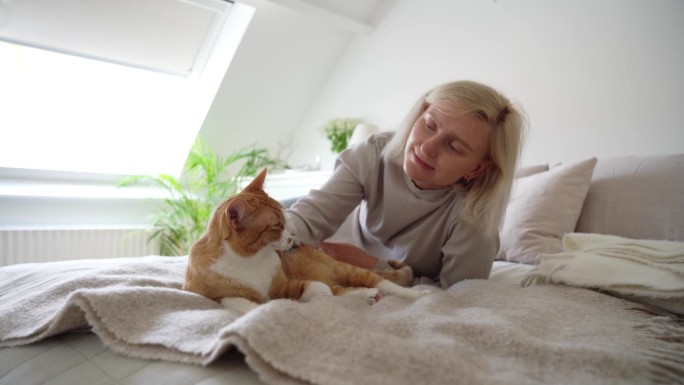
350,254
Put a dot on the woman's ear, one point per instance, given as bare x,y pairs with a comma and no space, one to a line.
481,169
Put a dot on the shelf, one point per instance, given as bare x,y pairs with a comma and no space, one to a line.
292,184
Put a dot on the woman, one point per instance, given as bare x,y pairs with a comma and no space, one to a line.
433,195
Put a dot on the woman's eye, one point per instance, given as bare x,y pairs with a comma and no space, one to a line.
455,147
429,126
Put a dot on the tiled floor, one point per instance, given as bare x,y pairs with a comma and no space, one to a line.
80,358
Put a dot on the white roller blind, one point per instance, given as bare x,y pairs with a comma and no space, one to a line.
162,35
61,112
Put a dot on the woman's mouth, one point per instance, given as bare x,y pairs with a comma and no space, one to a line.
421,163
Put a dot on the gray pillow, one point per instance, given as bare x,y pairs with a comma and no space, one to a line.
638,197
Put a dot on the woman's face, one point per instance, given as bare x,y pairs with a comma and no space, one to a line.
442,149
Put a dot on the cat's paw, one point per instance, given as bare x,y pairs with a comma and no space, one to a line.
315,289
387,287
371,295
399,273
238,304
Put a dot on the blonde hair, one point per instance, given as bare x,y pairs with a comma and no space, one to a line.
486,197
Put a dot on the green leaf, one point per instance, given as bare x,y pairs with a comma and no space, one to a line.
206,181
338,131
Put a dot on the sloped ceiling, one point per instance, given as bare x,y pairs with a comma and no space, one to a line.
285,57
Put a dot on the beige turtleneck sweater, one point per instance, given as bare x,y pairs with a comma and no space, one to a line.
391,218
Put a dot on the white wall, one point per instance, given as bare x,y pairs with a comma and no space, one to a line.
284,58
596,77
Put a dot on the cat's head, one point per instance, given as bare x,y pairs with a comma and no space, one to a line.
251,220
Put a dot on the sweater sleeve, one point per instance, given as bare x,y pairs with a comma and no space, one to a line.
468,254
318,215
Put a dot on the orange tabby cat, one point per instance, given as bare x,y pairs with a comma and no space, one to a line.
236,263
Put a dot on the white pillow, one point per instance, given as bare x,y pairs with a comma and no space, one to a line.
543,208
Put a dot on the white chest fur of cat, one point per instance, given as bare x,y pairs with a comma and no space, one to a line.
256,271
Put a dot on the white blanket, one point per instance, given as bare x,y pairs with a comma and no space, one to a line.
477,332
647,271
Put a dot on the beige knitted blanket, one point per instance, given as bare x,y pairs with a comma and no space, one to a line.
646,271
477,332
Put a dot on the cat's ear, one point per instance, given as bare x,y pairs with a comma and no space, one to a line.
258,183
235,212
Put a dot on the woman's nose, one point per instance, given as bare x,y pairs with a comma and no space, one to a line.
430,146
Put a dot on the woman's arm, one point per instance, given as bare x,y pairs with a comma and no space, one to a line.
318,215
350,254
468,254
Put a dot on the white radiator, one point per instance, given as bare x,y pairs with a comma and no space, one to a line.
46,245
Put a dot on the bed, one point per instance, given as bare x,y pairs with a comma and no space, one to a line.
594,299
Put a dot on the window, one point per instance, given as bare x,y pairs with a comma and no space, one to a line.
110,86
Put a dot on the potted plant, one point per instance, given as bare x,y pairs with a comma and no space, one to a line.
205,182
338,131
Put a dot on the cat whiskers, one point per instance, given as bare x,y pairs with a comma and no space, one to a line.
292,255
296,243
